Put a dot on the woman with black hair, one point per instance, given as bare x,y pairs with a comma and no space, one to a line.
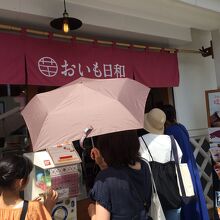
122,189
14,176
196,210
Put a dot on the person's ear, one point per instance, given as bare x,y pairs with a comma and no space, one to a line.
21,183
18,184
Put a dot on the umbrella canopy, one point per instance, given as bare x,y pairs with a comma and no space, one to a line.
108,105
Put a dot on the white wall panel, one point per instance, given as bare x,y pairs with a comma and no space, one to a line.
197,74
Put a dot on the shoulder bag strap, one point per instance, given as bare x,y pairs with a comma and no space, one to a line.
147,148
24,210
171,152
175,154
151,174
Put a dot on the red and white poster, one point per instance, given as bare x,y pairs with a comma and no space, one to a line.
213,114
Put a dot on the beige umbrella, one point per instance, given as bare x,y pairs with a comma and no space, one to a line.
106,105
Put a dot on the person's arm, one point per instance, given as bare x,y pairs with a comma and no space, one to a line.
98,212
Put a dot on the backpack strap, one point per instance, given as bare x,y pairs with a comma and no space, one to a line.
147,148
175,153
24,210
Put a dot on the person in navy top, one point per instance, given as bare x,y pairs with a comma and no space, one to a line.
195,210
122,189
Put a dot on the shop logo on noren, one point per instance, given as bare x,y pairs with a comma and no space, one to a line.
48,66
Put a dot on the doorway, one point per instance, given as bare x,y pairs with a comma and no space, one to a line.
158,97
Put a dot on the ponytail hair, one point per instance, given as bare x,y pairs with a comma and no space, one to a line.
14,167
170,112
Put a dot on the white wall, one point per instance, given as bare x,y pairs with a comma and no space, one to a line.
216,51
197,74
210,4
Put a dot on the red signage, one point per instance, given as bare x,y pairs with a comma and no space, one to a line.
156,69
12,59
55,62
51,62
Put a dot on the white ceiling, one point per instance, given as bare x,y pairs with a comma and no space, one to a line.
157,22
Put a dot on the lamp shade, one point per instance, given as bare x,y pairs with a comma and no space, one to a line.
73,23
66,23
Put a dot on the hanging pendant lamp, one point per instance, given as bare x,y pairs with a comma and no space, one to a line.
66,23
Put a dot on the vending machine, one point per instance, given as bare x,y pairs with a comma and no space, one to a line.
57,168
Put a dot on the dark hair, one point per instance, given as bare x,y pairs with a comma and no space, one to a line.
119,148
170,113
14,167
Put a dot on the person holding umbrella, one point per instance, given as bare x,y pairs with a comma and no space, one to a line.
106,106
122,189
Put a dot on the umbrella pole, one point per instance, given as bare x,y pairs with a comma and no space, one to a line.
92,142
